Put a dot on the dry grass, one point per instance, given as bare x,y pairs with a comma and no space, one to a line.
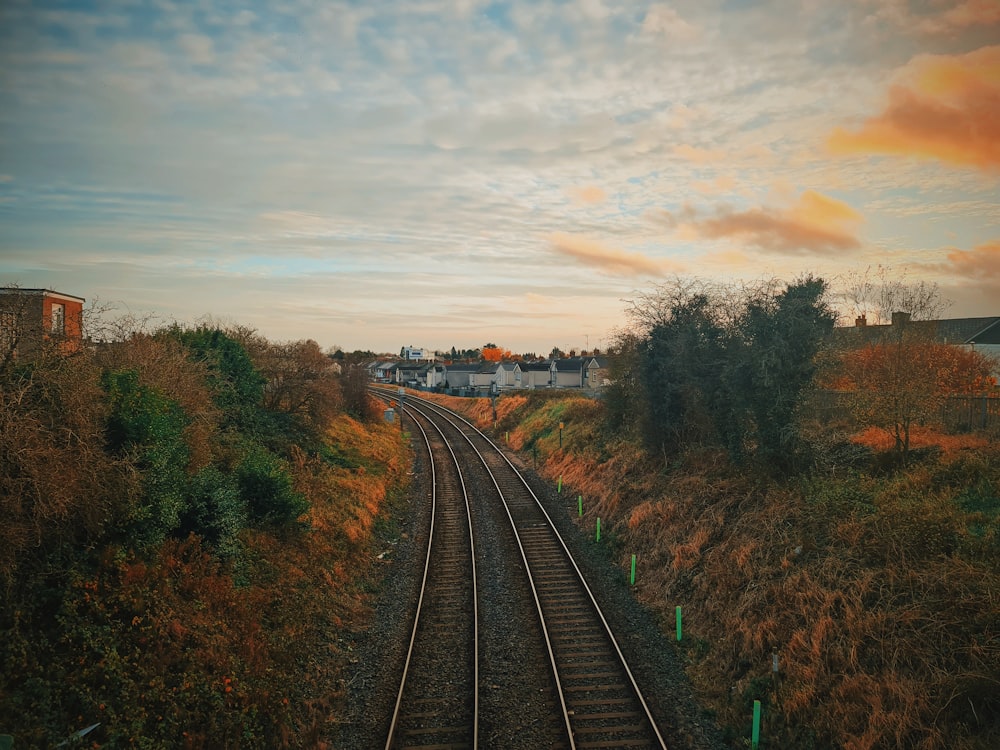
878,594
922,437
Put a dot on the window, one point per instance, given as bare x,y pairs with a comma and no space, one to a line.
58,319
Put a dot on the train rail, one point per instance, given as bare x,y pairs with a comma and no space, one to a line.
599,701
437,705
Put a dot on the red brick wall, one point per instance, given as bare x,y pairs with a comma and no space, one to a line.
72,336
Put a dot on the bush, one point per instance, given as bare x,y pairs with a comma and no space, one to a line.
216,510
146,424
266,487
237,385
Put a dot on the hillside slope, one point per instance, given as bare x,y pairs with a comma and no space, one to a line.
874,592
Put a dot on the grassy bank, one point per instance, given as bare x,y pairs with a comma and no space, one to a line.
874,590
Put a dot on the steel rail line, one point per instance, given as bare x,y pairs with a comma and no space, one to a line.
598,693
431,712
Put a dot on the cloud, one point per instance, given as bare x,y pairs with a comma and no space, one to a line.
590,194
943,107
815,224
982,262
197,48
955,19
698,155
971,13
665,21
721,184
606,258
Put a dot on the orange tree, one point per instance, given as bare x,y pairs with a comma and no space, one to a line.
904,380
493,353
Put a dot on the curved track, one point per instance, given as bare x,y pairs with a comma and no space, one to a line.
600,702
437,705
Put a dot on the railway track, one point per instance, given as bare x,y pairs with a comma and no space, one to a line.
437,705
595,699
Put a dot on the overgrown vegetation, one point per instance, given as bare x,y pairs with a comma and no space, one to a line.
872,581
182,541
715,366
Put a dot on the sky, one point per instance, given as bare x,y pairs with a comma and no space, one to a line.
439,173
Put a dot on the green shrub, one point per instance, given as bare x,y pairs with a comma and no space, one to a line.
266,487
148,425
216,510
237,385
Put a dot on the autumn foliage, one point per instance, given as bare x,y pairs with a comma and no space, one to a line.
187,519
897,384
496,354
875,591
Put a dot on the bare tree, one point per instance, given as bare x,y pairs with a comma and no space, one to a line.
876,295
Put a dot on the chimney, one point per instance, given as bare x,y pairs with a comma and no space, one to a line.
861,321
900,318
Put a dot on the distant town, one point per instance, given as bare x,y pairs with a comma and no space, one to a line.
489,371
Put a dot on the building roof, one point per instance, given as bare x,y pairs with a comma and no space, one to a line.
44,293
536,366
464,367
569,364
947,331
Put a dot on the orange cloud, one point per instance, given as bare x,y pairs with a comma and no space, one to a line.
944,107
697,155
590,194
982,262
815,224
606,258
722,184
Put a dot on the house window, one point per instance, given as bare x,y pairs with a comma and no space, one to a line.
58,319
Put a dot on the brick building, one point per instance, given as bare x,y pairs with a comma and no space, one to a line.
32,319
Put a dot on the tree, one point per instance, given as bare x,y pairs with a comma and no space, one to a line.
357,402
897,384
624,399
493,353
682,360
721,365
238,387
896,376
780,334
144,423
300,380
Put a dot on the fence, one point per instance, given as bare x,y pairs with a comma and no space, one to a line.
957,413
967,413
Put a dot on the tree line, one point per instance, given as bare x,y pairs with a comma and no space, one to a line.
732,366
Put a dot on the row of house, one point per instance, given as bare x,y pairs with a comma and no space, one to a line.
979,334
589,373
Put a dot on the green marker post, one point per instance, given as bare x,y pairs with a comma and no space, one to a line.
755,731
677,609
559,487
598,529
579,505
631,579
